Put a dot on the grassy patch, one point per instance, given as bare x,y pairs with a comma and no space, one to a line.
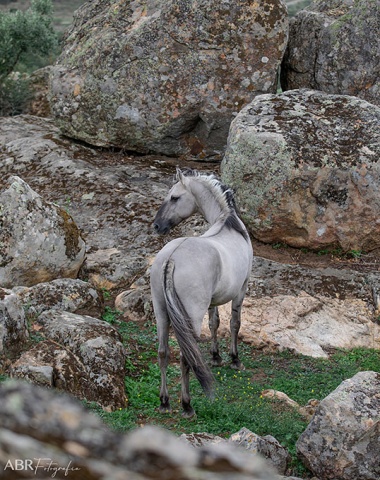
111,315
238,395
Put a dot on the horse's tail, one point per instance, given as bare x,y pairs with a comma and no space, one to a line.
184,332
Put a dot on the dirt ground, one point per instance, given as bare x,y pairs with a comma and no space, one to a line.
364,262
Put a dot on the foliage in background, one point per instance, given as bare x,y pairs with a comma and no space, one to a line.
27,41
23,33
294,6
14,94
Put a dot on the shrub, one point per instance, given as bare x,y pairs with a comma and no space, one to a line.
14,95
22,35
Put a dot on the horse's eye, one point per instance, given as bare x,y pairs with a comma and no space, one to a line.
174,198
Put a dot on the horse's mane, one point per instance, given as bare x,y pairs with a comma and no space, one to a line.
225,197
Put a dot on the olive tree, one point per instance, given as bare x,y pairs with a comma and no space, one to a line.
22,34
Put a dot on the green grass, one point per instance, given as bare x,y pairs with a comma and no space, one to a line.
111,315
238,395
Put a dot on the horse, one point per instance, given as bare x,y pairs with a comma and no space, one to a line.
191,276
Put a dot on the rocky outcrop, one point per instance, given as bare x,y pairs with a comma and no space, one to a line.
165,76
59,348
304,310
304,166
111,196
71,295
290,307
49,364
98,352
342,440
113,199
57,432
334,46
305,324
38,240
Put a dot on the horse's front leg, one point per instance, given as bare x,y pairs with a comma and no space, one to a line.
188,410
235,322
163,361
213,323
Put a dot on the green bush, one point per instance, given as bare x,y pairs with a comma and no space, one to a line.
14,95
23,35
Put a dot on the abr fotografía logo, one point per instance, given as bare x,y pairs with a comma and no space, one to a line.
38,465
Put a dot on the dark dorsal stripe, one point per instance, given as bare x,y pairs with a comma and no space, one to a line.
232,219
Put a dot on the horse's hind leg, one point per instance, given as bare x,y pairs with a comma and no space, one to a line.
163,361
237,304
188,410
213,322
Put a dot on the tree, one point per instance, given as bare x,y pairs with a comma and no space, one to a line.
25,32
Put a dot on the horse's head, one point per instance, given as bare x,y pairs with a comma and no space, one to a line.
177,206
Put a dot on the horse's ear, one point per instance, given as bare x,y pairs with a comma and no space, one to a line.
180,176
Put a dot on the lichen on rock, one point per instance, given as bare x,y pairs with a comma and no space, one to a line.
38,241
165,76
304,167
342,440
334,46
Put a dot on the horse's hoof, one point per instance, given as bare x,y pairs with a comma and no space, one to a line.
164,409
216,361
237,366
189,414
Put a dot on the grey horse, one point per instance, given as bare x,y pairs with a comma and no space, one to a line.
193,275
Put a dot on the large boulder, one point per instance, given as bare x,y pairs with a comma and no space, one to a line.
165,75
306,171
342,440
87,345
306,310
39,241
49,364
75,353
334,46
304,324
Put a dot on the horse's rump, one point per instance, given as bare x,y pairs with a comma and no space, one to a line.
184,331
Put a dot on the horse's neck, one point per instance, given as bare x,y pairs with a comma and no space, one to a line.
208,205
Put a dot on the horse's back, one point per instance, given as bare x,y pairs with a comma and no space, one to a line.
208,270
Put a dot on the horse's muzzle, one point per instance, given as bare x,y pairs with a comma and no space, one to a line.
161,229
